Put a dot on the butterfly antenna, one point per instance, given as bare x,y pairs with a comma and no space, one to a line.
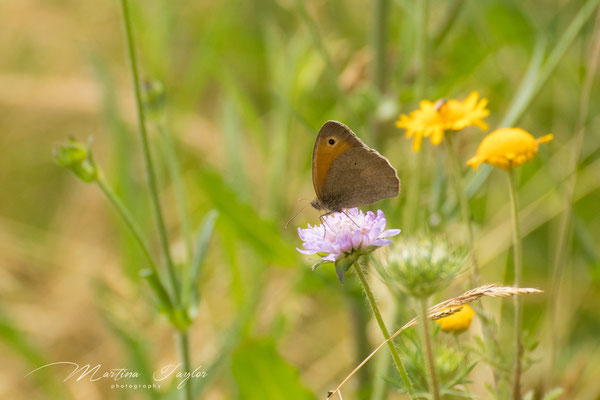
298,213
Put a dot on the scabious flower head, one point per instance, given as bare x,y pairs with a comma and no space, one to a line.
507,148
344,237
423,267
457,322
434,119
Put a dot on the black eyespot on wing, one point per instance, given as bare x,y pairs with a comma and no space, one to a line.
331,142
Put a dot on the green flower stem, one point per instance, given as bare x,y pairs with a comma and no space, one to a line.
184,354
124,213
182,342
464,206
384,330
151,175
517,251
433,381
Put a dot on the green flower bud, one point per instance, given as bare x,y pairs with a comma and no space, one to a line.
423,267
154,95
76,157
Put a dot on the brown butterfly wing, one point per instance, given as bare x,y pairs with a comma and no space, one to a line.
333,139
358,177
347,173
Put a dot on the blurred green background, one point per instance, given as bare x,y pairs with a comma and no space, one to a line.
247,86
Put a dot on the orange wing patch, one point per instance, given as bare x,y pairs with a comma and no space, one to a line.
324,154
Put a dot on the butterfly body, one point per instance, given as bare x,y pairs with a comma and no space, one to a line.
347,173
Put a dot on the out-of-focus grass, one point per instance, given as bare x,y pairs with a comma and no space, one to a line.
247,86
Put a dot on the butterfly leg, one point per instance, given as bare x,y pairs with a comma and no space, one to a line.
324,222
354,222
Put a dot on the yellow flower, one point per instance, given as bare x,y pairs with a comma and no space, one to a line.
470,111
424,122
433,119
457,322
507,148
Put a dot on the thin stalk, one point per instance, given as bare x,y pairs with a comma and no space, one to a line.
433,381
518,257
384,330
151,175
129,221
464,206
184,354
152,183
562,247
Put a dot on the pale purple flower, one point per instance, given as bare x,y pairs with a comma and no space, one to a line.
343,234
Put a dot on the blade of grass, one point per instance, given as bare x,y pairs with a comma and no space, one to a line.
190,284
20,344
261,234
170,156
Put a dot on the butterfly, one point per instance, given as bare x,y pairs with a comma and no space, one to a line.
347,173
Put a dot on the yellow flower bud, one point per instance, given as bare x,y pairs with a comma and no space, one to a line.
507,148
457,322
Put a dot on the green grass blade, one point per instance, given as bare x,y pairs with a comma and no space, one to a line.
190,283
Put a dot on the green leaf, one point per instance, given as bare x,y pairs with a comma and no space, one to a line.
262,374
259,233
342,265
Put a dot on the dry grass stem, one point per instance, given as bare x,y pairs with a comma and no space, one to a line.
445,309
